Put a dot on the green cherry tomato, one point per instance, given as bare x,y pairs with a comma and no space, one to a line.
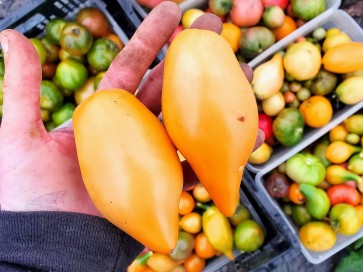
63,114
39,46
53,30
102,53
51,98
71,74
76,39
301,215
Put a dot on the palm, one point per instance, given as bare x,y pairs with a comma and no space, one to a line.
56,177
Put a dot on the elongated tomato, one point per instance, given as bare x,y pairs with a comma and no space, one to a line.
210,112
130,167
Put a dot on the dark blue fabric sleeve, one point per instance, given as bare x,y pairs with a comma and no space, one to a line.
60,241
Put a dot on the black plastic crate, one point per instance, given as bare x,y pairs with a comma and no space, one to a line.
136,19
280,246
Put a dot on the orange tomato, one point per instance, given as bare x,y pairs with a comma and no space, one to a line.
359,209
232,34
194,263
317,111
201,194
128,189
203,248
116,40
186,203
209,127
191,222
295,195
288,26
338,133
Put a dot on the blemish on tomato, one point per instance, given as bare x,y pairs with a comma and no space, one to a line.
241,118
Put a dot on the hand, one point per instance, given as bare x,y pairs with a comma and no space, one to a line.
39,171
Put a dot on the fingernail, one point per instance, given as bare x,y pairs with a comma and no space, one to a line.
4,43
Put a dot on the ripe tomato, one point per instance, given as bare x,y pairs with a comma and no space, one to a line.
317,236
359,209
232,34
344,219
190,16
343,193
191,222
194,263
317,111
265,123
203,248
186,203
288,26
295,195
201,194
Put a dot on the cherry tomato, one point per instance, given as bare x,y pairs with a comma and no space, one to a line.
295,195
201,194
203,248
191,222
194,263
186,203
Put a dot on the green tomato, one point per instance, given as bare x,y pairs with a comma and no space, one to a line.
301,215
344,219
63,114
305,168
76,39
53,30
51,98
71,74
101,54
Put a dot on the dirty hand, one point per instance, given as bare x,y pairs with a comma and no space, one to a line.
39,171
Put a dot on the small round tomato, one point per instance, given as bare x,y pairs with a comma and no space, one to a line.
102,53
41,50
190,16
186,203
191,222
295,195
344,219
194,263
203,248
249,236
76,39
317,236
201,194
53,30
232,34
317,111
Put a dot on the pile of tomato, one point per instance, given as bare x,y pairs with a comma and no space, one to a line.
74,55
204,234
295,92
321,187
252,26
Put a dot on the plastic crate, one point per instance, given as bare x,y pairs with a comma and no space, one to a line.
334,18
32,18
280,245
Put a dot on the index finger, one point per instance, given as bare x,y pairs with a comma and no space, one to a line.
130,65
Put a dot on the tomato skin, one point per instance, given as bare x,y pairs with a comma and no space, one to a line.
203,248
194,263
132,179
208,106
186,203
343,193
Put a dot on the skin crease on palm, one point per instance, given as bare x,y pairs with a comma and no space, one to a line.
39,170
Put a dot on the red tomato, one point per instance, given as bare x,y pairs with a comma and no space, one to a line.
281,3
265,123
343,193
179,29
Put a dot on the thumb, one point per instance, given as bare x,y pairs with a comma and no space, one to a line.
22,79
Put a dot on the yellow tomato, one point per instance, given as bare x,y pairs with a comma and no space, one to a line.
232,34
317,236
190,16
191,222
